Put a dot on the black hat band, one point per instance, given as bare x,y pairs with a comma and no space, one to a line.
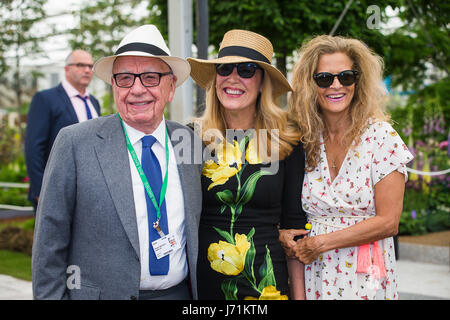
242,52
144,47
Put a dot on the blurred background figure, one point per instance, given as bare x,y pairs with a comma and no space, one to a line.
55,108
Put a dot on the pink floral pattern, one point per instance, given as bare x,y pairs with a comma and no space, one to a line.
349,199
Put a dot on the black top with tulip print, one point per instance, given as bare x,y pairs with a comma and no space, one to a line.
240,256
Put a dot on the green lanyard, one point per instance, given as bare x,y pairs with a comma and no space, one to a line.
144,178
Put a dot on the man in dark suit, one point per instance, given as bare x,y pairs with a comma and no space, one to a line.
121,196
53,109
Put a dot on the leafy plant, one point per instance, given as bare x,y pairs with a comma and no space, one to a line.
412,223
12,166
423,125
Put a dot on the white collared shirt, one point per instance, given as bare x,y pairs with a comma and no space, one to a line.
178,268
77,103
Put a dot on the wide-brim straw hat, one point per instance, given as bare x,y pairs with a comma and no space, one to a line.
241,46
145,41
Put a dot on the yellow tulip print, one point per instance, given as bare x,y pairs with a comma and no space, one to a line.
269,293
251,154
219,174
229,154
227,258
229,163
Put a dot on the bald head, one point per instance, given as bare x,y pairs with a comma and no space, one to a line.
74,55
78,69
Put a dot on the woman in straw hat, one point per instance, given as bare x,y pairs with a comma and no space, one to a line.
253,183
355,171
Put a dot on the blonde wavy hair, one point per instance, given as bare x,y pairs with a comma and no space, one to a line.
368,101
268,116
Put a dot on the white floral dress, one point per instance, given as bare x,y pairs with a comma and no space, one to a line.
349,199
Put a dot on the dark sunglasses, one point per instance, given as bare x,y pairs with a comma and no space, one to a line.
244,69
346,78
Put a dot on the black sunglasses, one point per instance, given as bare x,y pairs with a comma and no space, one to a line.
244,69
346,78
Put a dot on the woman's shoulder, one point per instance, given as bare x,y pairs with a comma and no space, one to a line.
376,129
378,126
297,152
298,147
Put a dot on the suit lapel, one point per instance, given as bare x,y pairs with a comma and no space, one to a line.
182,169
112,155
67,104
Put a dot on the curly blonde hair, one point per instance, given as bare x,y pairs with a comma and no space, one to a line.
268,116
368,101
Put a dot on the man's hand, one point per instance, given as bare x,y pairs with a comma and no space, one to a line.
286,237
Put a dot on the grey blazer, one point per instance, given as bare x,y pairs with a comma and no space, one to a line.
86,218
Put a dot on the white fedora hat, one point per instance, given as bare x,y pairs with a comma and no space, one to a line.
145,41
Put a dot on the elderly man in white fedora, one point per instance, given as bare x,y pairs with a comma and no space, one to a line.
119,212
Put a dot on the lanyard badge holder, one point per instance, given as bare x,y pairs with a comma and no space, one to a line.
166,240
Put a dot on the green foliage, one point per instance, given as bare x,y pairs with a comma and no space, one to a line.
14,196
423,125
29,224
412,226
19,39
285,23
421,41
12,166
15,264
17,31
426,114
407,51
288,23
10,143
15,171
420,216
159,16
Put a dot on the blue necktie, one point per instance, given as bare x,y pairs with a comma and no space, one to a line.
152,170
88,111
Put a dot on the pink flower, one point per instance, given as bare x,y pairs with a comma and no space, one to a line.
443,144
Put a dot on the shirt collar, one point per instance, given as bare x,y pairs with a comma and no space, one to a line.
71,91
135,135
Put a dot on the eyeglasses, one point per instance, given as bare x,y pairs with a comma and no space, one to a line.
346,78
82,65
244,69
148,79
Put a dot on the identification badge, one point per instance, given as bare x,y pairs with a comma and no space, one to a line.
165,246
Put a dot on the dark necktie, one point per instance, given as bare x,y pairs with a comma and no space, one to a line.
152,170
88,111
